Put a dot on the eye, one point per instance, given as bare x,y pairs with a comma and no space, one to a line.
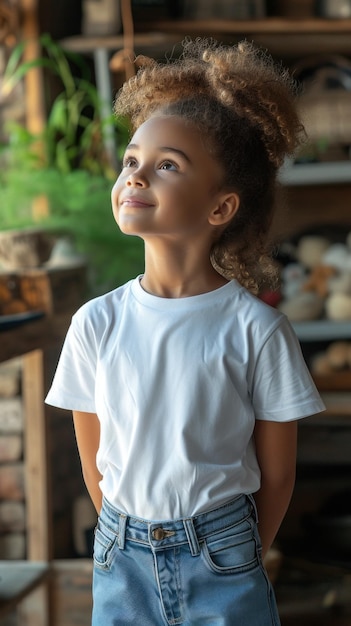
168,165
129,161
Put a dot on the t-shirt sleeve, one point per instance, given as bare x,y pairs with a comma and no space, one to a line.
282,387
73,386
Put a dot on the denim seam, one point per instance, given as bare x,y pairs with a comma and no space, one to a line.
226,527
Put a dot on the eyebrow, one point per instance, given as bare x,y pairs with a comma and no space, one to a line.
163,149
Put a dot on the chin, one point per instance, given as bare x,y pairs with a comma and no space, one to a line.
127,228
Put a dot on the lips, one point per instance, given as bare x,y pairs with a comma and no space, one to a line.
135,201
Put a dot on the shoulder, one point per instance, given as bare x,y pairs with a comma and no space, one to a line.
102,310
256,316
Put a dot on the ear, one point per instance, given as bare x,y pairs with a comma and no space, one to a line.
227,206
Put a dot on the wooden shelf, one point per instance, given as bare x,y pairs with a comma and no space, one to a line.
143,42
271,25
295,36
322,330
291,38
335,381
316,173
338,402
327,419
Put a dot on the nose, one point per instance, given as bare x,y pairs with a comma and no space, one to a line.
137,179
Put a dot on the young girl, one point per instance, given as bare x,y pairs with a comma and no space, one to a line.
185,387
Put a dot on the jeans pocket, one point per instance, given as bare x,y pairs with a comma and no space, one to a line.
233,550
104,543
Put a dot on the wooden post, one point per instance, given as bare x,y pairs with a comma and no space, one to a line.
36,459
35,104
35,107
35,609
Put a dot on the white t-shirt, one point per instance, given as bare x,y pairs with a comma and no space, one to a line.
177,385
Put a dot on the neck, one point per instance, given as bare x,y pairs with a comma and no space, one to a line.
174,274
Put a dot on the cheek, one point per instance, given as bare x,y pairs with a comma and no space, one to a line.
114,200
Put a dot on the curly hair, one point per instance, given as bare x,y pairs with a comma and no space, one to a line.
244,104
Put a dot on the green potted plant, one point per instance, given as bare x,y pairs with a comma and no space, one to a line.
67,167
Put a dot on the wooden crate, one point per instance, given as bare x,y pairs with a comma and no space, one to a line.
54,290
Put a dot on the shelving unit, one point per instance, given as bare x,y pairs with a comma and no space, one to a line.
324,464
316,173
322,330
267,25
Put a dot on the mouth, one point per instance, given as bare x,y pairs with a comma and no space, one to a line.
131,201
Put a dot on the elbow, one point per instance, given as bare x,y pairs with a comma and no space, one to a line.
88,471
283,481
91,476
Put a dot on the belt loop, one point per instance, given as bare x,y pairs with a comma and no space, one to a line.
192,537
253,503
122,531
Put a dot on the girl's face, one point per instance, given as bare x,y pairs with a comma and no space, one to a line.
169,183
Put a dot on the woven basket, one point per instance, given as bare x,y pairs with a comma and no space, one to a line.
325,104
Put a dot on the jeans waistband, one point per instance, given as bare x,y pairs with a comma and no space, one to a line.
167,533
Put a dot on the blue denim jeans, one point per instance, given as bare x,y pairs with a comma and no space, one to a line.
202,570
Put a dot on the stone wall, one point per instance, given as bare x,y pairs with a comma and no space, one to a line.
12,474
65,482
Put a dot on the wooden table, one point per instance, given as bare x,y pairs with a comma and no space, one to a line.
39,334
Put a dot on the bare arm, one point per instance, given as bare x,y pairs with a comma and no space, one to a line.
276,454
87,429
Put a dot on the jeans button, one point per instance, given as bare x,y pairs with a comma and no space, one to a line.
158,534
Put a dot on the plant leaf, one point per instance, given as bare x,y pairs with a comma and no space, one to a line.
12,79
